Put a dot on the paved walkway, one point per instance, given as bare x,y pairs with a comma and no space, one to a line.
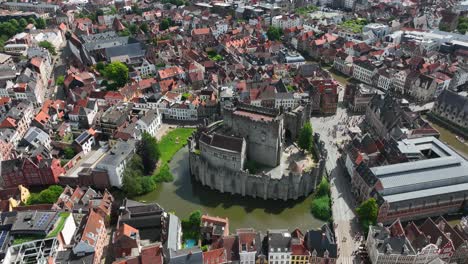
344,217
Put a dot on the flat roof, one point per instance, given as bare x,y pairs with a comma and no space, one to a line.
426,193
253,116
425,177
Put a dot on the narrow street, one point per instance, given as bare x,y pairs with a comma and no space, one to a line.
344,217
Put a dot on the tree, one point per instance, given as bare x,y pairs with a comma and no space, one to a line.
47,196
165,24
367,213
131,185
47,45
323,188
321,207
147,184
274,33
195,218
164,174
462,26
23,23
133,29
113,10
60,80
149,151
117,72
7,29
41,23
32,21
305,137
144,27
133,182
69,152
14,22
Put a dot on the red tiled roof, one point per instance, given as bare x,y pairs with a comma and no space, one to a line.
4,100
152,255
36,62
8,123
42,117
299,250
114,95
170,72
215,256
93,228
201,31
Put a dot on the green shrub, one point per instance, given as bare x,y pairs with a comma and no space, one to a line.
321,207
164,174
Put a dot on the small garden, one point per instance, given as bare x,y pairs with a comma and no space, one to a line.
59,225
191,228
20,239
355,25
214,56
150,165
305,10
47,196
367,213
321,203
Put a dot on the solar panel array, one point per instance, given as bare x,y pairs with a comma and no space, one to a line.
42,220
82,137
3,236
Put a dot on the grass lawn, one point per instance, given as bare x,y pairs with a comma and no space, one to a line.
339,77
60,224
23,239
173,142
448,137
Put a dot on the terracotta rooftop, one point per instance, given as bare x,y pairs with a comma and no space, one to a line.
215,256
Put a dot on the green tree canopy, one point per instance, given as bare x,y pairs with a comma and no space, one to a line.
47,196
133,29
323,188
31,20
117,72
134,183
304,140
144,27
60,80
14,22
462,26
41,23
165,24
68,152
274,33
367,213
23,23
149,151
47,45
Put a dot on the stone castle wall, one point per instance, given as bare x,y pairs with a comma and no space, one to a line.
263,137
292,186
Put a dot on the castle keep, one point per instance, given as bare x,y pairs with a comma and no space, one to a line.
219,154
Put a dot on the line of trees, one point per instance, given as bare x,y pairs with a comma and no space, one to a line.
141,176
13,26
321,203
367,213
47,196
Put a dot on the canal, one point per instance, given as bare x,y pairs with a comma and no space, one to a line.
183,195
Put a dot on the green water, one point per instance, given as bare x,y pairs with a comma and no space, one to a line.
185,195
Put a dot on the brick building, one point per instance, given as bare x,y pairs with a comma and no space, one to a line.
33,171
324,96
410,179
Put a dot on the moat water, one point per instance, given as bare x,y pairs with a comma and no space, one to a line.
184,195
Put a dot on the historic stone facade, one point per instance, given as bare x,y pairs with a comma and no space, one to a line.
218,153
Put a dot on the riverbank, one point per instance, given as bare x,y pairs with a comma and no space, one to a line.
185,195
449,137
